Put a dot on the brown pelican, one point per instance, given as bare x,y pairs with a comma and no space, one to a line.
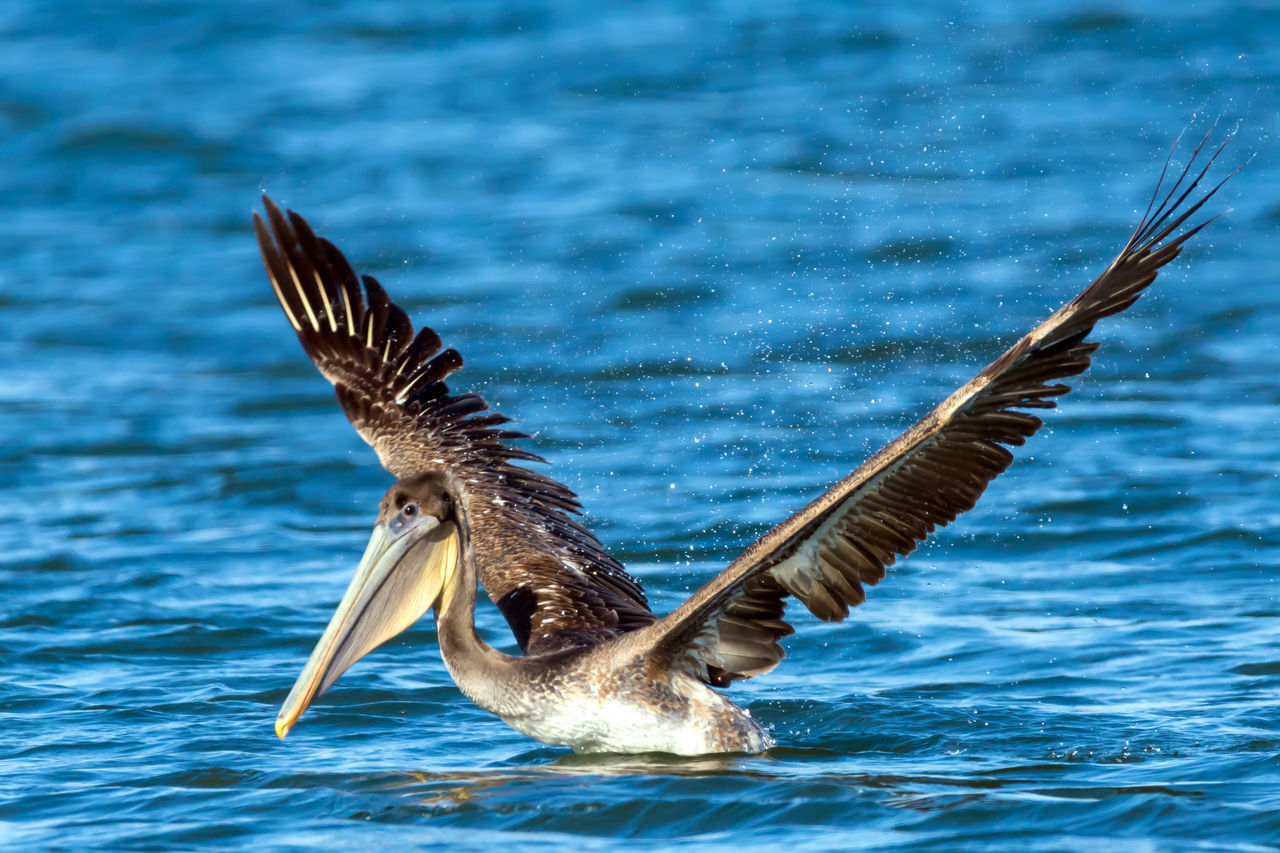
599,672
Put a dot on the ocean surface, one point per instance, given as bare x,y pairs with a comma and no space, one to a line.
710,256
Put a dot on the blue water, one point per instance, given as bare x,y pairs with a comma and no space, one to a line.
711,257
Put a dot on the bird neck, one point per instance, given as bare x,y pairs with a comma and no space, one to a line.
477,668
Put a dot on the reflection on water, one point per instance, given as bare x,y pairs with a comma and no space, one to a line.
441,789
511,791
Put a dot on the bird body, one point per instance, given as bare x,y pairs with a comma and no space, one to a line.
588,700
599,672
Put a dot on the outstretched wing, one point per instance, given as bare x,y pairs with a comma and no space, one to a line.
937,469
553,580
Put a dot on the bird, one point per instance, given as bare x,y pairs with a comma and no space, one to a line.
598,671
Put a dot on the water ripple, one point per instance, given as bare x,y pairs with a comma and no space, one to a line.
710,259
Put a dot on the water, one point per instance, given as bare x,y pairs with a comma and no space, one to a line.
711,257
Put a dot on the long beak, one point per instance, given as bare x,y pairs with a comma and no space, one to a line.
400,577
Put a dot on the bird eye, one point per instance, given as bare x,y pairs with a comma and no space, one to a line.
410,510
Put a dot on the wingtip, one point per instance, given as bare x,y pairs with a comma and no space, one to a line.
270,205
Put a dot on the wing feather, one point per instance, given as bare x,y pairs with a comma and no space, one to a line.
553,580
826,554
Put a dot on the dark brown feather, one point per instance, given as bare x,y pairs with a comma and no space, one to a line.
828,552
554,581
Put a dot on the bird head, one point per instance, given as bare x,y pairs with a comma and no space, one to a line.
408,566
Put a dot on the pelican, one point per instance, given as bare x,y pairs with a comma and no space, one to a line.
598,671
